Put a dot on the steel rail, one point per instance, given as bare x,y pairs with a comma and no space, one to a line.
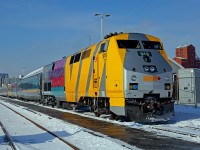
43,128
8,137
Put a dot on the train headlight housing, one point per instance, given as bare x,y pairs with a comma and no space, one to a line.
133,77
167,86
133,86
152,68
149,68
146,68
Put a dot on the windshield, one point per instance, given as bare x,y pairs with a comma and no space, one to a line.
134,44
152,45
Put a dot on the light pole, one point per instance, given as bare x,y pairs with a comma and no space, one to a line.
102,16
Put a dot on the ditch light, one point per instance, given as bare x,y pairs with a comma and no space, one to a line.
133,86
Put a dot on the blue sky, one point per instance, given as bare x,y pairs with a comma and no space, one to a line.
34,33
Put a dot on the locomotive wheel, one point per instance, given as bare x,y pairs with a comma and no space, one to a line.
53,102
97,114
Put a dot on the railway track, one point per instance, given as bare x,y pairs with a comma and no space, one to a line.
179,132
12,144
166,130
135,137
193,128
8,138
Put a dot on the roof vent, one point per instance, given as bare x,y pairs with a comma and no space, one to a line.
112,34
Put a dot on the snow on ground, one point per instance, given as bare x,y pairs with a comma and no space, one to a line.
185,125
3,142
27,136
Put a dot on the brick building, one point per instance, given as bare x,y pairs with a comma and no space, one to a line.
186,56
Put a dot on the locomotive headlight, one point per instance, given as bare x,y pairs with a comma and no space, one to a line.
167,86
152,69
133,86
133,77
146,68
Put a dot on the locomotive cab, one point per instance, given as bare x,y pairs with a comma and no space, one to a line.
132,77
147,78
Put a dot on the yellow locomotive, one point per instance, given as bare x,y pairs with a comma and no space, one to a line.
127,74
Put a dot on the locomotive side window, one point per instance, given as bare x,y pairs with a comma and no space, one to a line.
77,57
83,55
134,44
71,60
152,45
86,54
104,47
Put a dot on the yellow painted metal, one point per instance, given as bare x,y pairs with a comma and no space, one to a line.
71,73
99,65
9,90
95,74
115,71
84,73
71,77
74,79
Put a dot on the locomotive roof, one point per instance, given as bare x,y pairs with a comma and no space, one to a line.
34,72
121,33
